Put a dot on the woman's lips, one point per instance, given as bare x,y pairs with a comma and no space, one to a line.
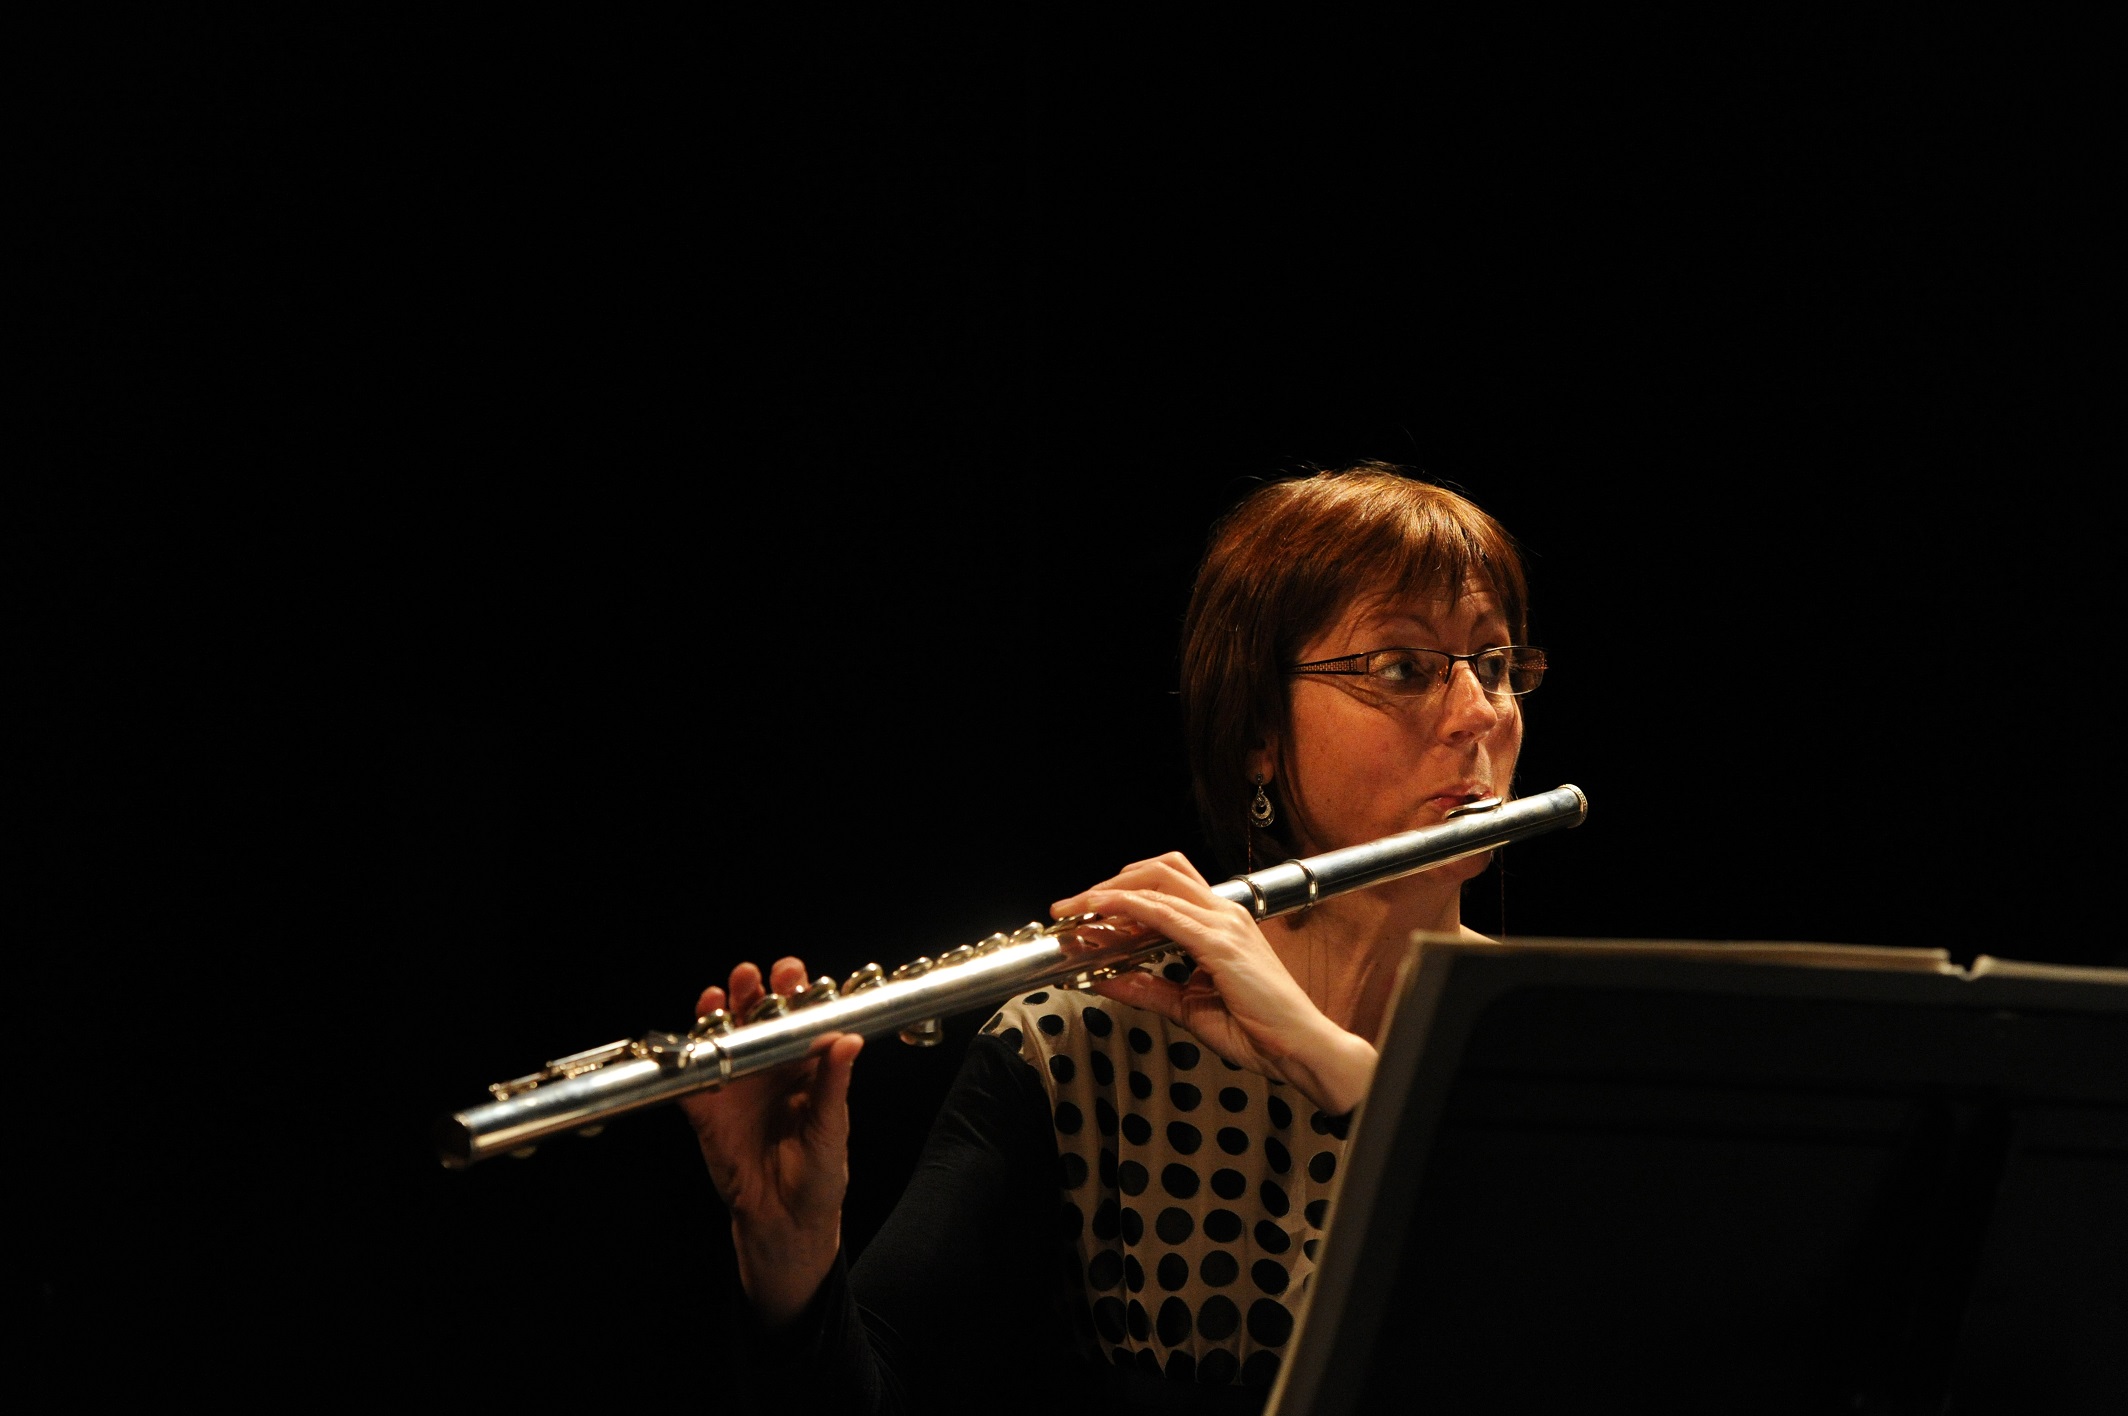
1449,801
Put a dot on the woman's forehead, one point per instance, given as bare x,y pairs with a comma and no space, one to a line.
1435,608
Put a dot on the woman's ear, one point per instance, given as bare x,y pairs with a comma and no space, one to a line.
1262,759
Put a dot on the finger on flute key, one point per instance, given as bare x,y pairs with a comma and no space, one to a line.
747,988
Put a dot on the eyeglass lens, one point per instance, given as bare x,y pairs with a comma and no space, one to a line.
1414,672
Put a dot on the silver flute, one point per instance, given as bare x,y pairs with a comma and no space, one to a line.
584,1090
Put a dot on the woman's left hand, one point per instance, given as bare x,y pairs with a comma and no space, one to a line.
1242,1001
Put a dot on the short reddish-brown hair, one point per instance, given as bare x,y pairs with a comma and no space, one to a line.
1279,568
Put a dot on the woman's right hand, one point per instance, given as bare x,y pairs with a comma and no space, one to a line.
777,1146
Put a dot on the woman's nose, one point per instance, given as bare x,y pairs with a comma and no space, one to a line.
1467,710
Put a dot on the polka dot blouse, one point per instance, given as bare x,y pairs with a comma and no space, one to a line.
1195,1192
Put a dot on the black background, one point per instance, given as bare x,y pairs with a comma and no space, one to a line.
518,519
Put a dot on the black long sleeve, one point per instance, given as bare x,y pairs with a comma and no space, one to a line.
959,1291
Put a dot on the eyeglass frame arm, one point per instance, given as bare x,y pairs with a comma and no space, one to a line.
1323,666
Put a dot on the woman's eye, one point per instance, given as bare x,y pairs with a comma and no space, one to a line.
1402,669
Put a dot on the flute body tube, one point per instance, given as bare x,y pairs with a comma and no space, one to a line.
586,1089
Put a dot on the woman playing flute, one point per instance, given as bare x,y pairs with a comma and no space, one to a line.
1121,1203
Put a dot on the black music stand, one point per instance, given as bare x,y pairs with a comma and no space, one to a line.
1598,1176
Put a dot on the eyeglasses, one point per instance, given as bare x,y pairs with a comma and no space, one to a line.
1506,672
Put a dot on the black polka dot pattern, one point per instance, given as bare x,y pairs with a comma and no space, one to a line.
1269,1322
1192,1197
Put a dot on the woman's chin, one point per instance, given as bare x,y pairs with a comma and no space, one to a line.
1467,869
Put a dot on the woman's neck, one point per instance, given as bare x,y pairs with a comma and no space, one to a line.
1345,952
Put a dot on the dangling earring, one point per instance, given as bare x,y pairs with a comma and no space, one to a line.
1260,815
1260,812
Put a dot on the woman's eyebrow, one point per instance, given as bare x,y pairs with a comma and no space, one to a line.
1394,623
